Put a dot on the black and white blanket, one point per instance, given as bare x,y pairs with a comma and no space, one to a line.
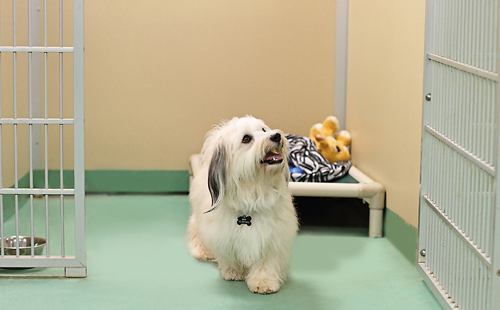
316,168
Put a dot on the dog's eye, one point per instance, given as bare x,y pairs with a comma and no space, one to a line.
263,130
246,139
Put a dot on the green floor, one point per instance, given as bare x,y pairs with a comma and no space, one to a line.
137,259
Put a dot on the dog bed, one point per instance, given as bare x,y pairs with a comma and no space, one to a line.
315,168
354,184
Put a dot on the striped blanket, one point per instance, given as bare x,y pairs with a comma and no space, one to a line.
303,154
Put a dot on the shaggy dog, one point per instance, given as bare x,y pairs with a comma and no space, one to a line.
243,216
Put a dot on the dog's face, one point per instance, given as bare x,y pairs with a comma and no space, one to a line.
244,149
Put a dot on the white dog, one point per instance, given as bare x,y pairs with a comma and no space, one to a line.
243,216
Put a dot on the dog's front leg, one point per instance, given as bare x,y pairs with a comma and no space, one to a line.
195,244
265,277
230,271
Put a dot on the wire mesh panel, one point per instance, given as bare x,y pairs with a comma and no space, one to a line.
459,222
42,203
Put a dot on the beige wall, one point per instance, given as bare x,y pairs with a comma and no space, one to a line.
160,73
384,96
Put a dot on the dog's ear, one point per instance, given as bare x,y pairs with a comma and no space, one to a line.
285,170
217,176
286,154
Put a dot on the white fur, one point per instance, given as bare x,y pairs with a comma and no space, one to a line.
256,253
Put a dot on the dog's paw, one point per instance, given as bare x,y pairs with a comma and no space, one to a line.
263,285
201,253
232,275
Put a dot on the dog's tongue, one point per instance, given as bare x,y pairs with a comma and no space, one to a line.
273,156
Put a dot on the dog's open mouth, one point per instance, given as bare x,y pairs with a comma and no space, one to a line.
272,158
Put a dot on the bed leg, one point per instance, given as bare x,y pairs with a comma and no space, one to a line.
376,223
376,210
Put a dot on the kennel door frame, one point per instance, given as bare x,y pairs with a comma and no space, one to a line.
459,216
74,266
340,82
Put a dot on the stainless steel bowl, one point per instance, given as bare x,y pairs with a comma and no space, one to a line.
9,244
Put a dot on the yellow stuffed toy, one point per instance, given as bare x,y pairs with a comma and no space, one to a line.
332,148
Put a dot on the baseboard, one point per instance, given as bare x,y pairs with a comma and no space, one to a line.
137,181
402,235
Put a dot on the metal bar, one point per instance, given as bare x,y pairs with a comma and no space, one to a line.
16,205
494,298
37,121
30,97
40,261
468,276
486,260
495,40
484,36
474,36
487,132
46,129
475,134
79,134
482,47
473,158
453,266
340,82
47,235
459,296
32,226
36,49
61,167
36,191
63,251
37,74
30,112
483,287
490,215
488,38
475,283
1,162
464,67
31,187
14,86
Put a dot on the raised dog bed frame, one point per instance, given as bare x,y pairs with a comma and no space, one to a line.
370,191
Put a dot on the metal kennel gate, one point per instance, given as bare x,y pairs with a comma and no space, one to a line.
459,226
40,76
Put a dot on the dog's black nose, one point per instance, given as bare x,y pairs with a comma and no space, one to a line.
276,137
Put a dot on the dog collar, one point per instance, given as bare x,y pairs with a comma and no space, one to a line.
244,220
